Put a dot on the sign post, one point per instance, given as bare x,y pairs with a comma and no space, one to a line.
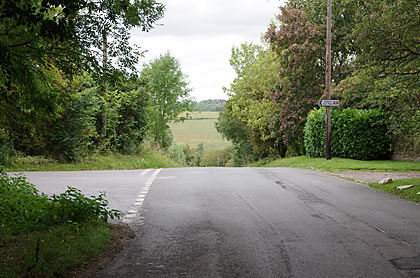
328,81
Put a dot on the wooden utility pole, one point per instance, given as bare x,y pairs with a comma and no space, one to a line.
328,81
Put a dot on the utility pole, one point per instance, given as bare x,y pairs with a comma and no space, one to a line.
328,82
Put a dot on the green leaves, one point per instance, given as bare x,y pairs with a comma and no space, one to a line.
356,134
388,36
23,209
169,95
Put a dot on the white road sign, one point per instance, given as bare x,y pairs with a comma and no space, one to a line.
326,102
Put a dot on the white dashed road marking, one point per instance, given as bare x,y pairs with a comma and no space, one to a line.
145,172
131,214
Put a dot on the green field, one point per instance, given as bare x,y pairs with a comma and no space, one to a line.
199,129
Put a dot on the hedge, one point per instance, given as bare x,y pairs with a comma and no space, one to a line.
356,134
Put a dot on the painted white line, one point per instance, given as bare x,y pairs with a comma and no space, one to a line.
128,218
145,172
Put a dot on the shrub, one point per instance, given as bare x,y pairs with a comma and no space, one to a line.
28,160
217,158
176,153
356,134
74,130
132,120
193,156
6,148
24,209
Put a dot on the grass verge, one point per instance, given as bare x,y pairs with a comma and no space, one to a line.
46,236
409,194
113,161
51,253
343,164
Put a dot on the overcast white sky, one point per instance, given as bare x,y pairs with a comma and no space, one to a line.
201,33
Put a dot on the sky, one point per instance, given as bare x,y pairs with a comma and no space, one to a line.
201,33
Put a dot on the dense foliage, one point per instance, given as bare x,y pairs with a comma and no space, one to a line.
169,95
375,65
23,209
356,134
68,82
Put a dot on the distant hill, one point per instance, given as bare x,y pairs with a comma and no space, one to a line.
211,104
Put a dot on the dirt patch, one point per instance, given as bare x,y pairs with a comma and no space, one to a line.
375,176
121,236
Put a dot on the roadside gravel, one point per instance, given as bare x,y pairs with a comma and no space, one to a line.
375,176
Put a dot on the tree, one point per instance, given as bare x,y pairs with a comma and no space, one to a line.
44,44
236,132
169,95
386,69
388,37
39,38
300,49
250,105
68,34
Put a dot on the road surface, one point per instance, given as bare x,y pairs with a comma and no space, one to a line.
253,222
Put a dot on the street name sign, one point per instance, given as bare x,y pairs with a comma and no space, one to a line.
328,103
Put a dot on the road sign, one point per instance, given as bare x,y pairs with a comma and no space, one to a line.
328,103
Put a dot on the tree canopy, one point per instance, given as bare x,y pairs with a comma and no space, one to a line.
375,64
169,94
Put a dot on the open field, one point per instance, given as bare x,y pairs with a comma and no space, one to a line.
200,129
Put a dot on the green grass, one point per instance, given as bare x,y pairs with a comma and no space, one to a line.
150,159
409,194
343,164
52,253
200,129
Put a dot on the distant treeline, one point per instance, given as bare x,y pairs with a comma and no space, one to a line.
211,105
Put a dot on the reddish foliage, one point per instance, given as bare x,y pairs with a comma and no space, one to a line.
299,45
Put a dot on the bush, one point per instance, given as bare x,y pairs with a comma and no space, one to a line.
193,156
217,158
6,148
176,153
74,130
132,120
356,134
24,209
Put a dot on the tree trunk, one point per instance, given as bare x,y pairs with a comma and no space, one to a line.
104,71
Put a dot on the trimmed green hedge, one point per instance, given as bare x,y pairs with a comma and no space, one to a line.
356,134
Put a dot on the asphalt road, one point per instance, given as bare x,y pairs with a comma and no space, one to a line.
253,222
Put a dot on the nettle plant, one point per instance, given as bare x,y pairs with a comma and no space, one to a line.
24,209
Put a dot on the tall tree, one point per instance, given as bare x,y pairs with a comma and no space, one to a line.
69,34
250,101
299,46
43,43
388,37
169,94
